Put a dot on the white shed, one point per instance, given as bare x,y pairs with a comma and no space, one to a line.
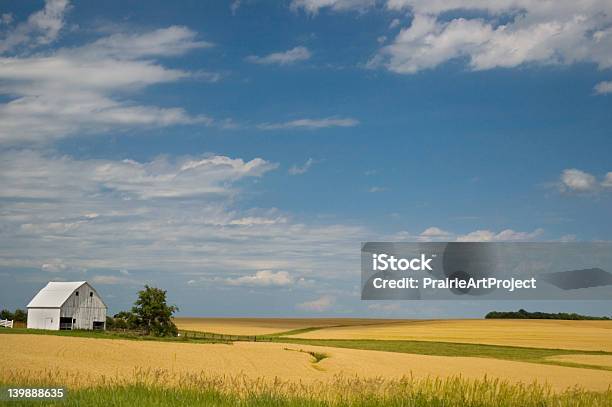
67,305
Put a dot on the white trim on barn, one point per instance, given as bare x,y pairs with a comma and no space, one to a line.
67,305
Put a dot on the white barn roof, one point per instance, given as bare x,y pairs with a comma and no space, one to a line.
54,294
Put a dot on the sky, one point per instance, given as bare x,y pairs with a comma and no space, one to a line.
237,153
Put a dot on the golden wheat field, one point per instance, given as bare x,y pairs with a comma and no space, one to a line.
266,326
595,360
93,360
553,334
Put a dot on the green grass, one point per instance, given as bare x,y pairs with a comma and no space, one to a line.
343,392
534,355
110,335
298,331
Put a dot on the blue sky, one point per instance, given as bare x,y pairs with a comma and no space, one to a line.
237,153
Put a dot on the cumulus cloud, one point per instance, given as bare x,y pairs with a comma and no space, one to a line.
578,181
603,88
314,6
301,169
607,182
435,232
575,180
263,278
82,90
507,235
542,32
310,124
42,27
321,304
282,58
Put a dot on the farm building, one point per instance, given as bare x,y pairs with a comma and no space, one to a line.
67,305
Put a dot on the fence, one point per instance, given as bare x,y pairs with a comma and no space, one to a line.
224,337
6,323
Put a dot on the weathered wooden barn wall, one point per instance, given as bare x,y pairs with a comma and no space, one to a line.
84,308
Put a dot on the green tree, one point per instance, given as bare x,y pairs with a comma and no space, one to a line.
126,320
6,314
20,315
154,314
110,322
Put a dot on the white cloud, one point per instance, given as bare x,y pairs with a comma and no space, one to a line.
310,124
507,235
282,58
42,27
6,18
435,232
54,266
164,42
394,23
258,220
113,280
180,216
537,31
574,180
262,278
321,304
607,182
235,6
603,88
81,90
376,189
314,6
31,175
578,181
301,169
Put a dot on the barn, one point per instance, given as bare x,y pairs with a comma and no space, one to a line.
67,305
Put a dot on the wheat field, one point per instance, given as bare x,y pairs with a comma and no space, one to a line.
95,360
552,334
595,360
267,326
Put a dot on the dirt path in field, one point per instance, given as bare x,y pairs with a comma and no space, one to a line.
119,358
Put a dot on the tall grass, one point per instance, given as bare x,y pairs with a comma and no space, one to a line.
157,388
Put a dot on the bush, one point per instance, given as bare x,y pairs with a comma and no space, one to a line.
6,314
20,316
